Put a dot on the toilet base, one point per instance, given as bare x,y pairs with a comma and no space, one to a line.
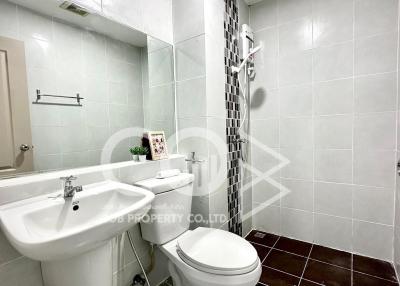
180,279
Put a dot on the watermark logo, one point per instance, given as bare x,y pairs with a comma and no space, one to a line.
210,172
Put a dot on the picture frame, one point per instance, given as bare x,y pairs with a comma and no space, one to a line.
158,145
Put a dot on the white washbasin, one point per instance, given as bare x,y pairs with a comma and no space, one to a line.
48,229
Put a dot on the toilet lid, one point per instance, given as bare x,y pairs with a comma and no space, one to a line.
217,251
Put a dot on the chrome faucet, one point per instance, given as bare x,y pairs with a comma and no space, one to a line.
69,190
193,158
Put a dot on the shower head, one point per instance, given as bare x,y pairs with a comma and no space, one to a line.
246,59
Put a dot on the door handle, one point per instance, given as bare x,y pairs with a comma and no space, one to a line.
24,147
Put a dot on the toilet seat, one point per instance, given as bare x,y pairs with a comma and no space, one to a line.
217,252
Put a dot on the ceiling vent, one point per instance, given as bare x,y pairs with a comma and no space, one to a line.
74,8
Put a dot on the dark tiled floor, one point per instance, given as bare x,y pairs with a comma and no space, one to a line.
288,262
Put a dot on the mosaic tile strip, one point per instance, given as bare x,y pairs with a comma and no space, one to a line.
232,105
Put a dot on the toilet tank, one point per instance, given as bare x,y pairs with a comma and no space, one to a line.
170,211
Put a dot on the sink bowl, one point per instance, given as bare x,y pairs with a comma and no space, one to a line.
48,229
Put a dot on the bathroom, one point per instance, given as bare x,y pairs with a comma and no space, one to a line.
199,142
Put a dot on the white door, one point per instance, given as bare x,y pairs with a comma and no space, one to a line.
16,154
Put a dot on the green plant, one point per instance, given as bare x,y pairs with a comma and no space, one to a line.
139,150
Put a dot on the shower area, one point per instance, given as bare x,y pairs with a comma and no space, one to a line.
318,97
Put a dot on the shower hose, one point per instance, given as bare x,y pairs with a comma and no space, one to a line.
137,257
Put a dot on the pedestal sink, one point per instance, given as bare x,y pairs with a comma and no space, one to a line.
72,237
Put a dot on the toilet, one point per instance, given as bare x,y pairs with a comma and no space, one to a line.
199,257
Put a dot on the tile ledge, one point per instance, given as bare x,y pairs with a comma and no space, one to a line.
32,178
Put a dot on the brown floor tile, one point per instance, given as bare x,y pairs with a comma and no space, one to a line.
365,280
293,246
374,267
308,283
261,250
272,277
332,256
286,262
326,274
262,238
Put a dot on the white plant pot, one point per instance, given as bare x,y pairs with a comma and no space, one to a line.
135,157
142,158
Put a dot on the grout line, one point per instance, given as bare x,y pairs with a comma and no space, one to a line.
305,266
270,251
377,277
281,271
313,138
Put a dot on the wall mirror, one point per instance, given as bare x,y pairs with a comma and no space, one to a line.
68,82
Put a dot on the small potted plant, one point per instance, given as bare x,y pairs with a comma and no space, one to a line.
139,153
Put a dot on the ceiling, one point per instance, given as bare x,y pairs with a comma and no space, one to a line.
92,22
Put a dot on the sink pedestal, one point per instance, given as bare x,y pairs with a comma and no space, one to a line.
90,268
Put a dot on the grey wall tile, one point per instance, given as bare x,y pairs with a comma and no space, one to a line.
376,54
375,17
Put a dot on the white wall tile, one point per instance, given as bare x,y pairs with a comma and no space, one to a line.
333,232
374,240
22,271
333,62
265,193
191,98
296,101
158,19
333,199
188,19
272,224
297,224
375,131
333,21
39,54
289,10
376,54
333,166
270,42
190,58
300,165
374,168
376,93
296,132
47,140
333,132
295,69
161,66
34,25
7,251
267,75
266,131
264,161
295,36
375,17
129,13
373,204
300,196
334,97
264,14
8,19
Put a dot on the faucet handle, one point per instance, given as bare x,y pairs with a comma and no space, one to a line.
69,178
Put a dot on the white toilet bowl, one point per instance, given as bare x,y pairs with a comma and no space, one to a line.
200,257
218,258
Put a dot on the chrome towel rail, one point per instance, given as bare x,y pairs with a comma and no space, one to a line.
39,97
